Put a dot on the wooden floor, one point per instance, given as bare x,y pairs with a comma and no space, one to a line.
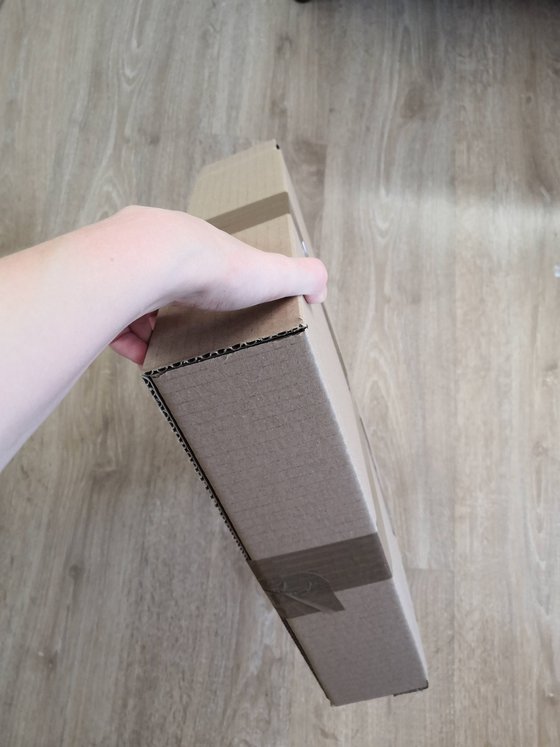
424,140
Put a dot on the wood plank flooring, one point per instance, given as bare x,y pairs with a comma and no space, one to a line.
424,141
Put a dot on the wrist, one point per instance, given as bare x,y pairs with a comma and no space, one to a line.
148,244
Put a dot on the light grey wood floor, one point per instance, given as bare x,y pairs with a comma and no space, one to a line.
424,139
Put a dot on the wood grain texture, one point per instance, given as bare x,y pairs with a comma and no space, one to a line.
424,143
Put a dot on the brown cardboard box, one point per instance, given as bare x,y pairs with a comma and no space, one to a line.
260,402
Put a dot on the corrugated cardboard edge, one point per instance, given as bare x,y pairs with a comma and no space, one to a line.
149,378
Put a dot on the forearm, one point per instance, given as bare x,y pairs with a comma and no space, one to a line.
61,303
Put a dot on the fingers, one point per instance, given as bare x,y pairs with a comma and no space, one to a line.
288,276
259,276
132,343
130,346
144,326
217,271
318,279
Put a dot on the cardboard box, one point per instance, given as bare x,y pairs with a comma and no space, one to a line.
260,402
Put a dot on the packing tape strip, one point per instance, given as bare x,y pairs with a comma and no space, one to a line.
256,213
305,581
253,214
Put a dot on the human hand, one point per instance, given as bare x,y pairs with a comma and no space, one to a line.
132,342
209,269
68,297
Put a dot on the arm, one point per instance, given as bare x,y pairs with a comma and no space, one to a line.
62,302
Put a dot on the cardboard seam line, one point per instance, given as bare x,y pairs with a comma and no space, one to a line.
154,391
156,372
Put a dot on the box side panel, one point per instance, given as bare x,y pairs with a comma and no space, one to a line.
263,431
388,604
330,372
394,555
365,651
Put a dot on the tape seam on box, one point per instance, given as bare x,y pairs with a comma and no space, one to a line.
304,582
